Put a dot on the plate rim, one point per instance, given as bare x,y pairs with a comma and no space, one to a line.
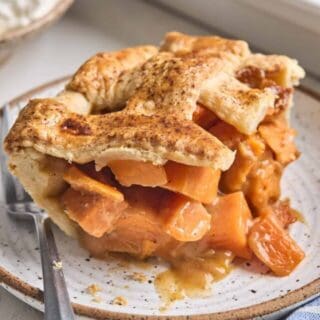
268,307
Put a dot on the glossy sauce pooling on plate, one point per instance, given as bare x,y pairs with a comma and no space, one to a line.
192,277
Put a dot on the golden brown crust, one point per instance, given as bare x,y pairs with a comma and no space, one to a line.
284,71
236,103
41,176
181,44
233,101
49,128
171,85
97,76
160,92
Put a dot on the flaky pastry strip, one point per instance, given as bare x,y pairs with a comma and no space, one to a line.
48,127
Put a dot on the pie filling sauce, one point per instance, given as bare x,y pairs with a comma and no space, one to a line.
197,219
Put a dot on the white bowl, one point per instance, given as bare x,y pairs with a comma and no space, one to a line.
9,39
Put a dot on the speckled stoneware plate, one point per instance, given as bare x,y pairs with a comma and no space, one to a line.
245,294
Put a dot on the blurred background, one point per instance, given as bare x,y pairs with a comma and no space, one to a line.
42,40
289,27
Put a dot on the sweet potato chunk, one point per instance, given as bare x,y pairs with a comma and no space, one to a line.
280,139
227,134
137,233
82,182
139,230
263,184
231,218
140,233
204,117
248,153
95,214
185,219
274,246
283,211
104,175
197,183
129,172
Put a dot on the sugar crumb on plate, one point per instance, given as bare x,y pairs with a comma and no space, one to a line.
93,290
120,301
137,276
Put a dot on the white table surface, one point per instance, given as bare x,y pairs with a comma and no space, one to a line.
62,48
89,27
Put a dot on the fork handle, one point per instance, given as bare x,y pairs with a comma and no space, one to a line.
56,299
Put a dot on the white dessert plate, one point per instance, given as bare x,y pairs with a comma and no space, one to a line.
247,293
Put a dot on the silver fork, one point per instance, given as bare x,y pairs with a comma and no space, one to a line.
19,205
